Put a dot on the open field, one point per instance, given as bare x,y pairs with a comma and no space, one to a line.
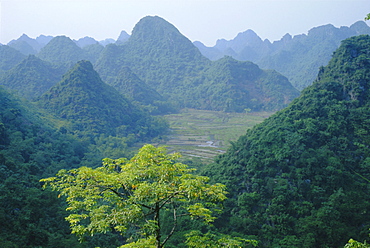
205,134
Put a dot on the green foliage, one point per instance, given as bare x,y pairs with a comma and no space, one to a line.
301,177
93,51
23,47
94,107
31,149
161,57
63,52
9,57
232,86
31,78
196,239
134,89
130,196
355,244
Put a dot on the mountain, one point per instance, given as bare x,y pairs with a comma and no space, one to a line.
93,51
9,57
31,77
25,45
106,42
92,121
232,86
210,52
61,50
123,37
157,52
301,178
133,88
44,39
83,42
22,46
95,107
247,45
30,148
297,57
168,62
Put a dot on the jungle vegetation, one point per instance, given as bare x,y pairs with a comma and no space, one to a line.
298,179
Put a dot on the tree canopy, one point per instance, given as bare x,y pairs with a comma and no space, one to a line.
130,196
301,178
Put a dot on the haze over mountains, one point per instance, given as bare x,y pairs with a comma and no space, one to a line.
171,69
299,179
296,57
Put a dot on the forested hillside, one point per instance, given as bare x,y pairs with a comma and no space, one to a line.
62,52
9,57
31,149
169,63
234,86
94,107
165,66
133,88
31,77
88,121
301,178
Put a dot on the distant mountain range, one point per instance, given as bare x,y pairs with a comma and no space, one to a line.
297,58
27,45
169,63
157,67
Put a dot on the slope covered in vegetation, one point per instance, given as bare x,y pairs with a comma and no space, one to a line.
169,63
95,107
234,86
9,57
301,178
34,144
62,52
31,77
30,149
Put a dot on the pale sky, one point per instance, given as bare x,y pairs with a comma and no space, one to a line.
201,20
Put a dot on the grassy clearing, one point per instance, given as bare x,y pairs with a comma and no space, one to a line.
205,134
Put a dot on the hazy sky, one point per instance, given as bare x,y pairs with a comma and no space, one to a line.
202,20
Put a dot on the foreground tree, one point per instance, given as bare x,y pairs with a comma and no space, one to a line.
355,244
131,196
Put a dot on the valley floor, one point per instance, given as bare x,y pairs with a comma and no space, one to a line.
206,134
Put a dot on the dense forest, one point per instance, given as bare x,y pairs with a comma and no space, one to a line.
298,179
301,178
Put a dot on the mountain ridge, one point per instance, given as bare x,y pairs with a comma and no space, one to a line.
31,77
169,63
294,178
81,96
297,57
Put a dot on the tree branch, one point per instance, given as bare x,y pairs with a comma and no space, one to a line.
173,228
166,200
